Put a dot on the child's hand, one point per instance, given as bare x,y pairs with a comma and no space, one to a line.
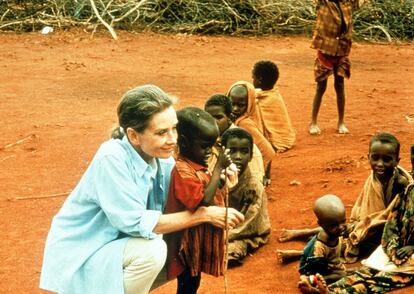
230,175
223,160
404,252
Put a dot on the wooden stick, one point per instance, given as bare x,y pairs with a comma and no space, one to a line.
226,251
40,196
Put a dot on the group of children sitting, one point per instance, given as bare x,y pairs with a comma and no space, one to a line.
239,133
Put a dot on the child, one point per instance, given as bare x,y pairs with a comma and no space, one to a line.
322,253
332,38
412,160
245,115
200,248
220,107
374,202
248,197
276,122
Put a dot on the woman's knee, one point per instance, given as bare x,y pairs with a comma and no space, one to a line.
152,253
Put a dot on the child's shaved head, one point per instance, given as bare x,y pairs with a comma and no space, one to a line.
329,208
238,91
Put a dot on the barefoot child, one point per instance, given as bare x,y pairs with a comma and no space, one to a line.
277,126
220,107
200,248
246,116
248,197
322,253
332,38
374,202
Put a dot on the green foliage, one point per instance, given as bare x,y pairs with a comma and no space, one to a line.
376,20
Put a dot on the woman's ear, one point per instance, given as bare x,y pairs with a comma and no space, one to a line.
133,136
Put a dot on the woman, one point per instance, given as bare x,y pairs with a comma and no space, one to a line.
389,267
106,237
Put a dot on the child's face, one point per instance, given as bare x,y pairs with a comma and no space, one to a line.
240,152
223,121
239,97
383,160
334,227
199,146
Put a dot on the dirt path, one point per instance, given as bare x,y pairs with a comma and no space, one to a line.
58,95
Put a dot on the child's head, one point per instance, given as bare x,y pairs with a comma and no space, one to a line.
220,107
330,212
384,155
239,98
240,144
265,74
197,133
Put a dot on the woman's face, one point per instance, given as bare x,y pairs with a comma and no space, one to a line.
159,139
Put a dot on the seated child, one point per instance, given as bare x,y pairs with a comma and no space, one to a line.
200,248
322,253
277,126
220,107
246,116
373,205
248,197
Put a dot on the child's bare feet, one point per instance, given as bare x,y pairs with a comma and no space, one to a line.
314,129
305,286
285,256
342,129
285,236
321,284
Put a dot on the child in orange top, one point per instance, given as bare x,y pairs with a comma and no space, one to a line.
200,248
246,116
277,126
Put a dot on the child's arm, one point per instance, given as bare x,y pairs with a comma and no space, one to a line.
223,161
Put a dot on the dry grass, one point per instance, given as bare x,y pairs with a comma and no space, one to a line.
377,20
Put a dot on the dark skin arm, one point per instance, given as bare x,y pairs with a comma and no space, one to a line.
223,162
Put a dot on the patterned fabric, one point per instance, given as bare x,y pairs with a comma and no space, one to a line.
277,126
248,197
333,29
398,232
320,258
200,248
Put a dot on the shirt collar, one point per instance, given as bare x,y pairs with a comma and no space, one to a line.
142,166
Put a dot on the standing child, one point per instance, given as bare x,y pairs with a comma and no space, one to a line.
200,248
322,253
248,197
332,38
277,126
220,107
246,116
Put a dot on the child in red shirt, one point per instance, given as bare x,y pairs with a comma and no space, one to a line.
200,248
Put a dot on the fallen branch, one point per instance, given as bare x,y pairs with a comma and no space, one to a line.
40,196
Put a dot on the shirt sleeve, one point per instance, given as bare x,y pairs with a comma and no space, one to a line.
123,198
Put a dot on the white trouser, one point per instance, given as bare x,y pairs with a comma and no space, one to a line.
143,261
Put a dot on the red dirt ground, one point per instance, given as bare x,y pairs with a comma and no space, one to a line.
58,101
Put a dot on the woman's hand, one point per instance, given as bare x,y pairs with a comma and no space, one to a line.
216,216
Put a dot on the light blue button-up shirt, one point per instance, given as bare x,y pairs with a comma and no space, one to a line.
116,198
